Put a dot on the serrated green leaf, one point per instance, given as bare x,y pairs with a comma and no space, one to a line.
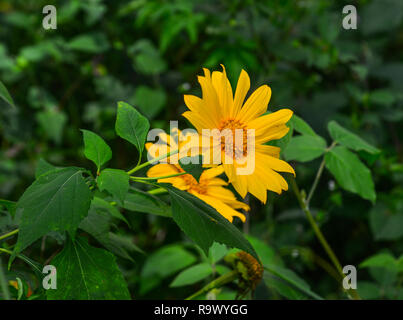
96,148
351,174
87,273
131,126
114,181
56,201
349,139
192,275
203,224
305,148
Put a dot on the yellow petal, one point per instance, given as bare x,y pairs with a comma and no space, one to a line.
225,210
274,163
198,121
194,103
211,173
242,89
269,124
256,104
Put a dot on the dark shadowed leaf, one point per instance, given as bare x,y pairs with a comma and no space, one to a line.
203,224
87,273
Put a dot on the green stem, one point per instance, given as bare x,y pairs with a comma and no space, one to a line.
157,191
320,236
145,164
157,178
315,182
220,281
4,283
9,234
318,175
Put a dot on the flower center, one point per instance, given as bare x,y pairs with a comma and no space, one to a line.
191,182
229,143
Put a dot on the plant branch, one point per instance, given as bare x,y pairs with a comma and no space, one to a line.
158,178
320,236
145,164
220,281
9,234
317,177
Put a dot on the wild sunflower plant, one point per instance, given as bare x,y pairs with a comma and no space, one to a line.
198,177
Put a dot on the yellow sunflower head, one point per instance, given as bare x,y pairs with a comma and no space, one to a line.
250,164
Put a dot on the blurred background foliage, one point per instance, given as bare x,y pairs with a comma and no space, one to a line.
148,53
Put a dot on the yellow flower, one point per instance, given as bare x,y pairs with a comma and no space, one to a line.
220,109
209,188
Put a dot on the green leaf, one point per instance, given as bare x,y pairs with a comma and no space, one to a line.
266,254
192,165
349,139
10,206
90,43
131,126
385,224
292,279
146,57
192,275
114,181
101,204
351,174
383,260
150,101
52,122
56,201
96,148
43,167
162,264
217,252
203,224
305,148
87,273
5,95
301,126
139,201
97,224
